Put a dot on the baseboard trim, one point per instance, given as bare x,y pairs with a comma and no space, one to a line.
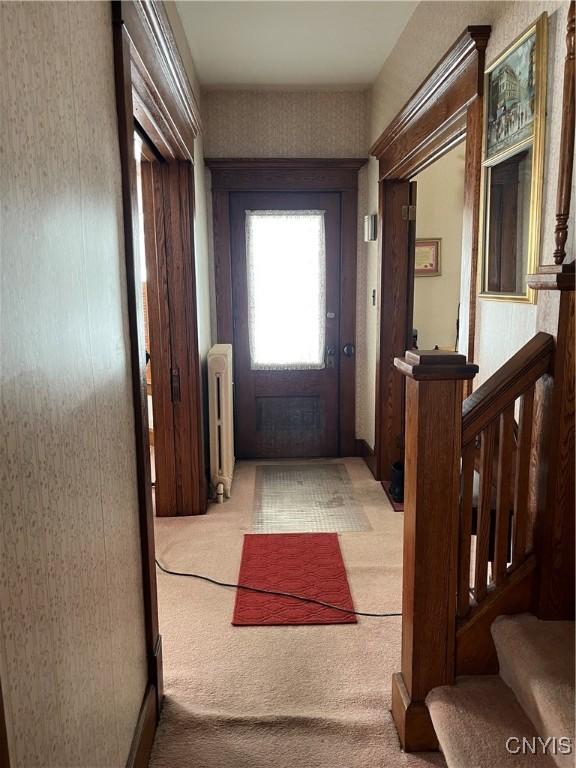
144,732
367,453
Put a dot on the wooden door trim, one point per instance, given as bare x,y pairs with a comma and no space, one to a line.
293,175
444,109
147,71
164,103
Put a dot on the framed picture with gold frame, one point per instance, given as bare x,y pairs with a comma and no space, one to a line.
512,167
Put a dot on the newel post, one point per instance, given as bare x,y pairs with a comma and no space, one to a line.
434,393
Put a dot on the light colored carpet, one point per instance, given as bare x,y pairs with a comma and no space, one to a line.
278,697
537,662
473,721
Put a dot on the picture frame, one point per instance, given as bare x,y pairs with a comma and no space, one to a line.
427,257
513,142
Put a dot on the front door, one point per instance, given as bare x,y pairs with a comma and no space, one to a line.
286,308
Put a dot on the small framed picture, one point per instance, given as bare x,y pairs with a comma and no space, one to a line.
427,262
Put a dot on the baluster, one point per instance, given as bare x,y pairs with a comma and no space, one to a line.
488,442
520,519
504,493
465,540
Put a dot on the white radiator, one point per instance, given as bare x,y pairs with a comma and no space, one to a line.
220,403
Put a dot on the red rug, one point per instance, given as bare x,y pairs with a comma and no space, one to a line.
308,564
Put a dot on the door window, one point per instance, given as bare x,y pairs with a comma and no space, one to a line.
286,271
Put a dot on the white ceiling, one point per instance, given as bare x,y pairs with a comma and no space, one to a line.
302,44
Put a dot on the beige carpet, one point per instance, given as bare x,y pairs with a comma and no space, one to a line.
474,719
278,697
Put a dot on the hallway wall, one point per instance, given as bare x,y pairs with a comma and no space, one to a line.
439,213
72,648
502,327
282,123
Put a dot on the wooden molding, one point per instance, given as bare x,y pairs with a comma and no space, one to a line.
435,116
144,732
559,277
566,142
4,753
136,331
364,451
283,174
164,103
447,107
395,282
286,163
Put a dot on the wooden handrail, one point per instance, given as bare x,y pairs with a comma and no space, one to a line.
510,381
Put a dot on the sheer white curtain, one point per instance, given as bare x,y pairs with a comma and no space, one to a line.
286,271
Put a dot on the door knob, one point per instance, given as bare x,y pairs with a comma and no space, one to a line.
349,350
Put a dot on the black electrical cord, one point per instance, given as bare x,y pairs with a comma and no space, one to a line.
274,592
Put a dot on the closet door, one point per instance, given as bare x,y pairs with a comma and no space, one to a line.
168,210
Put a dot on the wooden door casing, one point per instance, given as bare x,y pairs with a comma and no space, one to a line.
446,108
293,391
296,175
396,281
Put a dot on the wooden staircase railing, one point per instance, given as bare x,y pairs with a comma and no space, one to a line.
464,552
504,445
508,547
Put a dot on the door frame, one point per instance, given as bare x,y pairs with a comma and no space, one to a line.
445,109
294,175
154,96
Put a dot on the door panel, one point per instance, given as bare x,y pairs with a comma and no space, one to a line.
168,206
285,253
159,329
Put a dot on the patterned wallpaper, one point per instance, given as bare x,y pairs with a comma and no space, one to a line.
366,309
72,650
286,123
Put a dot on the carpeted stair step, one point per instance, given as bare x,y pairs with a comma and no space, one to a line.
474,719
537,663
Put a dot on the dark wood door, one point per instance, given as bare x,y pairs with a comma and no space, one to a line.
168,207
285,253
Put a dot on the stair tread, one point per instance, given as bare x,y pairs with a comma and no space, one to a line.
537,662
473,720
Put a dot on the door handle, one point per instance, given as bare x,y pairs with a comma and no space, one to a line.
349,350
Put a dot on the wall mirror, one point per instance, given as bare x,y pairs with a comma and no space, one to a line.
513,162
